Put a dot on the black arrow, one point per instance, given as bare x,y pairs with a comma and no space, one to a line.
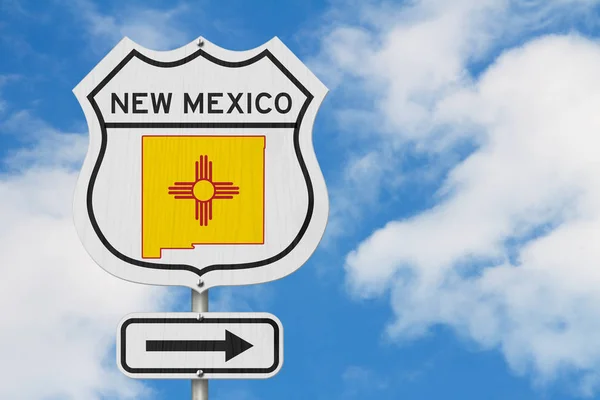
232,345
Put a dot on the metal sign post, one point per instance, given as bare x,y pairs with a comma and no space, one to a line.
200,172
200,306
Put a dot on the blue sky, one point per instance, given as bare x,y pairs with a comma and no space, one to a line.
458,142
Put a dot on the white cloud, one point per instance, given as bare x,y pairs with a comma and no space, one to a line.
59,309
362,177
508,256
42,145
407,59
157,29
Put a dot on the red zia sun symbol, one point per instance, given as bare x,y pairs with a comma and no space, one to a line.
203,190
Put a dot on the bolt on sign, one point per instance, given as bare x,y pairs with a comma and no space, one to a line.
200,170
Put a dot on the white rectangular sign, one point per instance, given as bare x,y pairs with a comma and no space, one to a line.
205,346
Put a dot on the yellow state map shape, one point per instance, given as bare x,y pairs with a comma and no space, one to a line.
170,223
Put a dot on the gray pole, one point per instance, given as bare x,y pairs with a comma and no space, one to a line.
200,305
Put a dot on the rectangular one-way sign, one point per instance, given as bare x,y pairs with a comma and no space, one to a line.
205,346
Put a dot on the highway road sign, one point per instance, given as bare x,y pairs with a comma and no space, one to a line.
184,346
200,170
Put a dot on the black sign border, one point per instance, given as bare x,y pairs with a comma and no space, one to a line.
229,64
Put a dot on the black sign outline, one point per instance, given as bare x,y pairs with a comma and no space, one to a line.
229,64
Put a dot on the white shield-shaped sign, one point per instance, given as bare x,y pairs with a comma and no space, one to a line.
200,170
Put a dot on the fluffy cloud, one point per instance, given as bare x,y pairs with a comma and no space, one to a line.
59,309
157,29
508,255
